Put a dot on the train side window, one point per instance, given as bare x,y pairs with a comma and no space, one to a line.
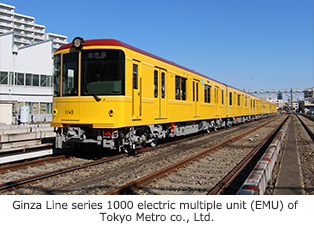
197,91
183,88
177,88
180,88
222,97
155,83
207,94
163,85
239,99
230,99
135,84
193,91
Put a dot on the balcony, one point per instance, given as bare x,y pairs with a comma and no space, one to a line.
5,24
24,34
23,41
23,27
5,30
7,18
6,10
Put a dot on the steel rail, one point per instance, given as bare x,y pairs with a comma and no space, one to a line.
20,182
37,162
310,133
225,182
138,184
24,181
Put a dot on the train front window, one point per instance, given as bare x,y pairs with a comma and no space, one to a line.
70,74
56,75
102,72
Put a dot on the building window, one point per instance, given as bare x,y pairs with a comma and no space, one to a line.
28,104
43,80
49,81
28,79
35,108
49,108
19,79
43,108
35,80
10,78
4,78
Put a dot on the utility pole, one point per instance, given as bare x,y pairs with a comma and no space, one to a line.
291,100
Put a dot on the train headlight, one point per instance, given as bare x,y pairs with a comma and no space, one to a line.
78,43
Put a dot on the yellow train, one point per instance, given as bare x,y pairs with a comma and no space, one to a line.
115,95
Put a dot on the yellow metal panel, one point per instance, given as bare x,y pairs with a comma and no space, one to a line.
140,107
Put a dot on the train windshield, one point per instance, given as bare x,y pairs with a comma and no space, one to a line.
56,75
102,72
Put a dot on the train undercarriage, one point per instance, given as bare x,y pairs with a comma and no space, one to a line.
130,138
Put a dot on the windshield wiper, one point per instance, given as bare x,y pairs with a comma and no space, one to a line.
95,95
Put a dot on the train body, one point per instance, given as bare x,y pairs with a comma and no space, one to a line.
115,95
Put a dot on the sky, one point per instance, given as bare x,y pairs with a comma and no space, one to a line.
248,44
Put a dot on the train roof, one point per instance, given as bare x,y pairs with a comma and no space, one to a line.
114,42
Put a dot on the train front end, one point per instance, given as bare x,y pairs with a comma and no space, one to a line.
89,93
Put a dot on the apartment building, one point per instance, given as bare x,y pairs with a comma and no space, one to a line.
26,66
26,31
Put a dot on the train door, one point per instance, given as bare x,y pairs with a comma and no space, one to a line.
196,98
137,93
227,102
217,100
235,98
160,76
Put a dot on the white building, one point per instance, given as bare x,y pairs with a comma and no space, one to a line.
274,100
26,31
306,105
26,77
26,65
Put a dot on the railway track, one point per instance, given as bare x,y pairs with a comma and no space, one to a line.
86,176
208,172
304,120
304,127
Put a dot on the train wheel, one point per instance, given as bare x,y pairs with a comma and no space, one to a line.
154,142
